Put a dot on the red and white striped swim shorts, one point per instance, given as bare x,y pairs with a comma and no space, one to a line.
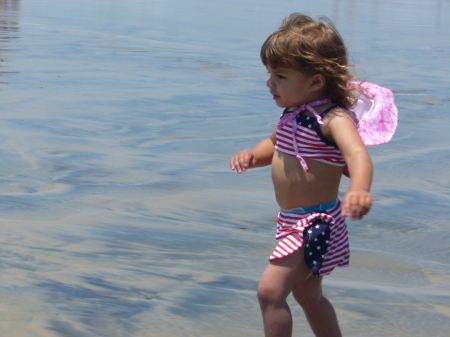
290,236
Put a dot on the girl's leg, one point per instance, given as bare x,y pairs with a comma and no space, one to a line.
279,279
318,309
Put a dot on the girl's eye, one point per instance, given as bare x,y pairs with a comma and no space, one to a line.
276,75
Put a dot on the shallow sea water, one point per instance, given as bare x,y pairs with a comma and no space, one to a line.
119,215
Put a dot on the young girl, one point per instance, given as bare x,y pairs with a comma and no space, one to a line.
308,151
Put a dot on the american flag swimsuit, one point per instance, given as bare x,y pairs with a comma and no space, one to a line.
325,254
326,236
310,143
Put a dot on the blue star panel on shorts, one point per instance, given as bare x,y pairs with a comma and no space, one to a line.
315,240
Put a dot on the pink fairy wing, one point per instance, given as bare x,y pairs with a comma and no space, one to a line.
376,113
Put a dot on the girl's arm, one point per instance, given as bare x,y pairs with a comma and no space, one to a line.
357,201
260,155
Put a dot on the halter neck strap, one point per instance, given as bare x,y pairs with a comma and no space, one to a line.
309,106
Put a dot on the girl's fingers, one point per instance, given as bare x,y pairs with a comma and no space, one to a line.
236,167
234,163
240,161
356,205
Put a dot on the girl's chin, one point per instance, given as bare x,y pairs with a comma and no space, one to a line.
281,105
278,102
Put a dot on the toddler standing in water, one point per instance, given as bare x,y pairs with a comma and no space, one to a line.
308,151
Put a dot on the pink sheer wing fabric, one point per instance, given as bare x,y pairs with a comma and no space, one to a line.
376,113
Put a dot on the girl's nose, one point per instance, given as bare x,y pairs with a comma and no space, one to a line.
269,83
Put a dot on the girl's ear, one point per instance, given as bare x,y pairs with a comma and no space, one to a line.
318,82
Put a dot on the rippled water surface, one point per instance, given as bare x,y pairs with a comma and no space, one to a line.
119,215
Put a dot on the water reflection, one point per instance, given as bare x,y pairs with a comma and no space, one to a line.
9,28
351,11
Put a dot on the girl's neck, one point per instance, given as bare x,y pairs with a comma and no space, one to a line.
318,95
314,103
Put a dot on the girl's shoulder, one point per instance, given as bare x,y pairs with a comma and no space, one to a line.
336,119
338,110
333,107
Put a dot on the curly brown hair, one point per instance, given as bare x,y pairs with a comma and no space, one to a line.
312,47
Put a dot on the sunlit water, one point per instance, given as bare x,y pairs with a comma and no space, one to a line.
119,215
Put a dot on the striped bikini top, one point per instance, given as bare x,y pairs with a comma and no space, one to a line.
309,141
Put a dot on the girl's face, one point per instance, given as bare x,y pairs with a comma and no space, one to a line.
290,87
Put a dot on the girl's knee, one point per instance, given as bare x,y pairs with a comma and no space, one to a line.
308,293
268,293
265,293
306,299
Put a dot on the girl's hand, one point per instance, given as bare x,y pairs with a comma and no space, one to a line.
356,204
242,161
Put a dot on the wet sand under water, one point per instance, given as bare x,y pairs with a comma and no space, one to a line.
119,215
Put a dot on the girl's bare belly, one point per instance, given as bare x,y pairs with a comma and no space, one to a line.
295,187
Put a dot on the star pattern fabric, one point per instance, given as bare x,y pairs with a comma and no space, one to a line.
316,239
290,236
